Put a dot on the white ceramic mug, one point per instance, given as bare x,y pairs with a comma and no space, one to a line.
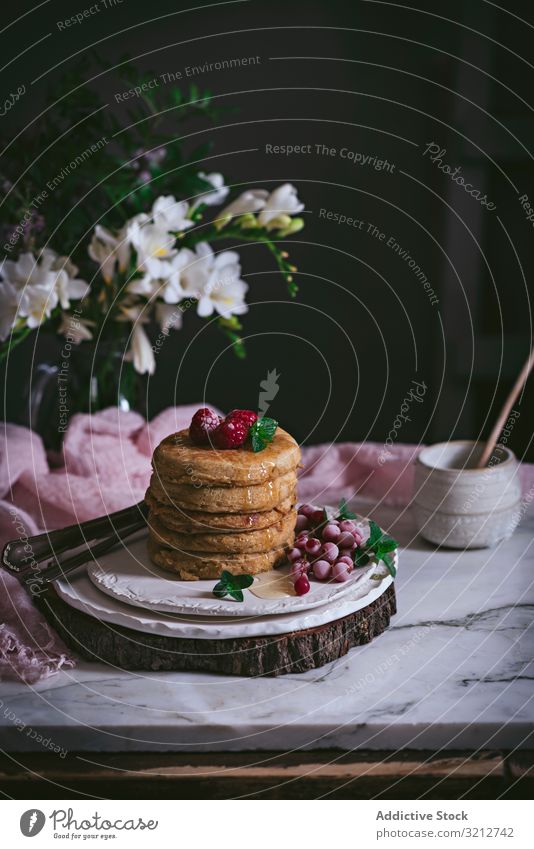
459,506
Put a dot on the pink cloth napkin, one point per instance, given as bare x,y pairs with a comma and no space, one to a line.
106,466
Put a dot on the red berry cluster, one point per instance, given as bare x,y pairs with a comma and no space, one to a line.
322,547
207,428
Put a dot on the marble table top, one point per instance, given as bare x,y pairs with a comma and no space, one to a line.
454,671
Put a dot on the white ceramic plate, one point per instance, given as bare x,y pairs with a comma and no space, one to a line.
81,594
129,576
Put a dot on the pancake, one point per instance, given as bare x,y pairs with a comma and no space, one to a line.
206,565
280,534
196,522
225,499
178,461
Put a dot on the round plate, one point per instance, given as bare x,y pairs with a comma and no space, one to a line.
129,576
81,594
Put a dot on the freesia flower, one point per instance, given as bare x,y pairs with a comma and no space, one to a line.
149,240
75,328
37,303
140,351
168,316
170,214
253,200
9,306
283,201
109,250
215,280
162,278
35,288
227,297
218,195
196,274
68,286
26,271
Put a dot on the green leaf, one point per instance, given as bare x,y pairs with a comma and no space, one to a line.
344,512
375,536
237,595
361,558
220,590
244,581
388,560
262,432
232,585
388,544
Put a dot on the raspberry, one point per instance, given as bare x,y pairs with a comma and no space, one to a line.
202,426
231,433
248,417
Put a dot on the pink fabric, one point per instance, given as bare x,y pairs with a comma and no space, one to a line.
106,466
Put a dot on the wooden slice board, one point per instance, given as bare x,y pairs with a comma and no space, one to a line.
297,651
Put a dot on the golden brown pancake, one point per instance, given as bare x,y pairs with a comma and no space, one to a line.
179,461
250,541
206,565
196,522
225,499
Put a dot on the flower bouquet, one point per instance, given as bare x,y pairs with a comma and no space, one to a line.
113,230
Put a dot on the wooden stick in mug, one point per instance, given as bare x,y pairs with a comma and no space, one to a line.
505,412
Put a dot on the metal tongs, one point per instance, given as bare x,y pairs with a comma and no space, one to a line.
44,558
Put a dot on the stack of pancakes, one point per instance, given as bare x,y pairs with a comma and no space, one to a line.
211,509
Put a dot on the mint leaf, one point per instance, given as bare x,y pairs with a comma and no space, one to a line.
220,590
388,544
232,585
261,433
361,558
378,547
388,560
344,512
375,536
243,581
236,594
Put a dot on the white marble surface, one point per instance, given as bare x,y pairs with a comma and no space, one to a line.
455,670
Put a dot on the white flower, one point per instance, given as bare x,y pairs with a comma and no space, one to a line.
140,352
253,200
172,289
9,305
37,303
282,202
218,195
149,240
108,250
35,287
196,274
215,281
168,316
227,298
68,286
163,278
76,329
26,271
170,214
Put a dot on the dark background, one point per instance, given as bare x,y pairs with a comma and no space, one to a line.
379,79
